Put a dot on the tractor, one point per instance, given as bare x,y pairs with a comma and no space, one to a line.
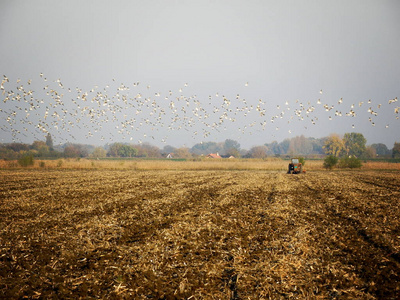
295,166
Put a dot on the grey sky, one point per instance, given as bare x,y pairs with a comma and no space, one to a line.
285,50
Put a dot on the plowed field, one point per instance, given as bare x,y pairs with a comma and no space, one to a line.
199,235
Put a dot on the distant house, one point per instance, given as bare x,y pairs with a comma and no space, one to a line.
214,155
170,155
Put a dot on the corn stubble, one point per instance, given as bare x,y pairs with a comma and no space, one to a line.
127,234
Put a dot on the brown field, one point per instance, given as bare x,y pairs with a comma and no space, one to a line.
205,234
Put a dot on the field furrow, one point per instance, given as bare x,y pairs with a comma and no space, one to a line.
199,235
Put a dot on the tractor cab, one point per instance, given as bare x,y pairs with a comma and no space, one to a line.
295,166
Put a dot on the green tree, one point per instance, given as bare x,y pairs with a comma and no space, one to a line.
41,148
381,149
396,150
317,145
350,162
114,149
7,153
26,160
49,141
334,145
99,152
330,162
302,160
354,144
17,147
122,150
127,151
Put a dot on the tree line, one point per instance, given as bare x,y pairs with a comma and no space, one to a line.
351,144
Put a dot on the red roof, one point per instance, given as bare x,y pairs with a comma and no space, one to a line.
213,155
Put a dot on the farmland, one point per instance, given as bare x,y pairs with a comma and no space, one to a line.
199,234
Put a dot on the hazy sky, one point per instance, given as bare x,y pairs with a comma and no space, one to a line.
287,51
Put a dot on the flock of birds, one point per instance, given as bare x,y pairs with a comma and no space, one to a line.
135,114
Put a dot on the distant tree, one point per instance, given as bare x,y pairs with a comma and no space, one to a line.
318,145
233,152
71,151
151,150
122,150
39,144
284,146
245,153
370,152
127,151
168,149
381,149
41,148
206,148
258,152
49,141
300,145
76,150
84,149
6,153
396,150
354,144
113,149
276,148
17,147
183,153
273,148
99,152
334,145
231,146
142,152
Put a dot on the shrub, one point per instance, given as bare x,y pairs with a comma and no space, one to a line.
350,162
330,162
26,160
60,163
42,164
